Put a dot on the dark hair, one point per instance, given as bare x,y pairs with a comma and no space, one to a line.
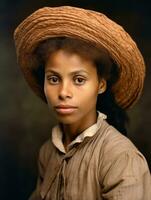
106,103
106,68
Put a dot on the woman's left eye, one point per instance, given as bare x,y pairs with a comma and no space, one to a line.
79,80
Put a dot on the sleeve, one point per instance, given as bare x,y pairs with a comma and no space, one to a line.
43,159
127,178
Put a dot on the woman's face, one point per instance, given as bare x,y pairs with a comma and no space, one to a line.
71,86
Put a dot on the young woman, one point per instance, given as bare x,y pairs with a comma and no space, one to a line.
88,70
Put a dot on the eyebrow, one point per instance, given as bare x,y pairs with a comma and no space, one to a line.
71,73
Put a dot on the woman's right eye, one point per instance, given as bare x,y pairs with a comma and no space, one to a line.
53,79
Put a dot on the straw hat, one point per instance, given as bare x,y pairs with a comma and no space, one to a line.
90,26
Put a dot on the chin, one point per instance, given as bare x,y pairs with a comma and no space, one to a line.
66,119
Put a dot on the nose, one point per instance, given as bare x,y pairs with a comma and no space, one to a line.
65,91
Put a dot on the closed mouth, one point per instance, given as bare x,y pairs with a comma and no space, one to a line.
65,109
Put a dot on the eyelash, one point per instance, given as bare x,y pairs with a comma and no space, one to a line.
51,80
81,80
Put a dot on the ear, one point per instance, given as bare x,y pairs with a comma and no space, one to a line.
102,86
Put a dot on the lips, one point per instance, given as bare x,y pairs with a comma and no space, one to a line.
65,109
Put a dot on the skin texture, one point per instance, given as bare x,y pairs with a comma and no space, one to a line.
71,79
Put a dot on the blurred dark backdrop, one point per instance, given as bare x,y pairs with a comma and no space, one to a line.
25,121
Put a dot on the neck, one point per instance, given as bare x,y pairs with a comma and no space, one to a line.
71,131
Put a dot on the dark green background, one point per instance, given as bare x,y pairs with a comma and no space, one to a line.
25,121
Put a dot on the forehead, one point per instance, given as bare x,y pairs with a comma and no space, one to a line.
62,59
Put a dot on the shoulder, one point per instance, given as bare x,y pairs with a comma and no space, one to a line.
115,142
45,152
120,157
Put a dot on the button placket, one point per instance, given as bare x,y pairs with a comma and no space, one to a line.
63,180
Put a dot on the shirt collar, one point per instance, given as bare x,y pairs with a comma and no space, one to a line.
57,134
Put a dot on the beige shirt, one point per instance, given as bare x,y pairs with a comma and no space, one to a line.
100,164
89,132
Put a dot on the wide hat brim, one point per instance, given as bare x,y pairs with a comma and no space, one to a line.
90,26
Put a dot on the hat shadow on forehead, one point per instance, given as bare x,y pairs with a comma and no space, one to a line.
91,27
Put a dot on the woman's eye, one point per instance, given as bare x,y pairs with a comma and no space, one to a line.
53,79
79,80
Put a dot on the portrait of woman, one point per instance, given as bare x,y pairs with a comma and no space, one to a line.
89,71
75,100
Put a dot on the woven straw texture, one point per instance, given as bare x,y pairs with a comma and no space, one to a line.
89,26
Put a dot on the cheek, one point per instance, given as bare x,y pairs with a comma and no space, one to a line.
92,89
89,95
49,94
46,90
